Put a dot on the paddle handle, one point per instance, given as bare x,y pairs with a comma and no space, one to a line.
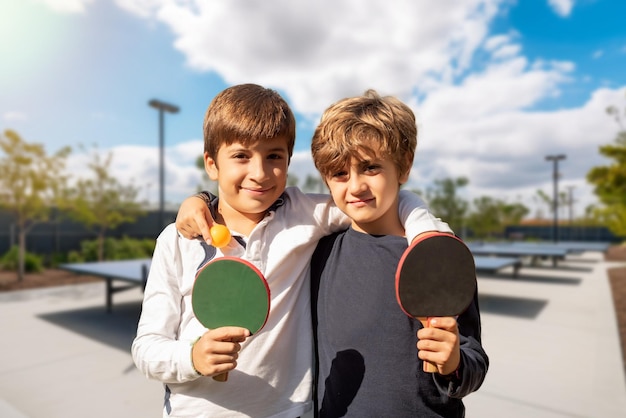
221,377
428,366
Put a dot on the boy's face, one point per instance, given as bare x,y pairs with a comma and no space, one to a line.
367,191
250,178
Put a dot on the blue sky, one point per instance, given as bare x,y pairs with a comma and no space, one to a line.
496,84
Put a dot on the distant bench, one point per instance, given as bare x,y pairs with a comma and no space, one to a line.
133,272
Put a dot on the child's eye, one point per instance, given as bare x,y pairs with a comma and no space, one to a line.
274,157
339,174
240,156
372,168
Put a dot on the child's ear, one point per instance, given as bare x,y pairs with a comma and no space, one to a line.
210,166
403,178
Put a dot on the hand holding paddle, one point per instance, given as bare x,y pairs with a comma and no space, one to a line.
436,277
216,352
231,292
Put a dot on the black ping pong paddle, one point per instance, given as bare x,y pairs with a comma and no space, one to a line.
436,277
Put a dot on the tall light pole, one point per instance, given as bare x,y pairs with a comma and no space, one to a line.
162,107
570,203
555,180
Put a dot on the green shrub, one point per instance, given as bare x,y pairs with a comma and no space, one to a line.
57,258
114,249
32,262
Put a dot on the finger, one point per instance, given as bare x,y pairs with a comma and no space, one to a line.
431,345
447,323
437,335
202,227
184,229
209,365
231,334
226,348
220,368
224,358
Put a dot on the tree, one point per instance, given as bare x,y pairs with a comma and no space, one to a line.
490,216
30,184
445,203
102,202
484,220
610,181
543,199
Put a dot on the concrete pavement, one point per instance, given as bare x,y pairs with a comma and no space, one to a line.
552,338
551,335
64,356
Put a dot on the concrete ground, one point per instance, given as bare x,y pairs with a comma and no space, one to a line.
551,335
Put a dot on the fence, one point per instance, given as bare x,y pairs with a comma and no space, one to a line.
64,235
564,233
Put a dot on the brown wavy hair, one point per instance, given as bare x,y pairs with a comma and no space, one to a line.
379,126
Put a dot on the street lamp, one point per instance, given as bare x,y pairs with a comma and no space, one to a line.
162,107
555,180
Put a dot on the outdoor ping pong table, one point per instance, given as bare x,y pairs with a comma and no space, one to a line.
493,265
572,247
133,272
519,251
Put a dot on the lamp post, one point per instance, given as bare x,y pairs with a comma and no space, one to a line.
162,107
555,180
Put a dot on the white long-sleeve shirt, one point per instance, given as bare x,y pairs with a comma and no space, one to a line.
273,377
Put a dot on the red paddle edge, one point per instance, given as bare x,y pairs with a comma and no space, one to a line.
406,254
255,269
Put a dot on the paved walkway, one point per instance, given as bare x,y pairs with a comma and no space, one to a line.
551,335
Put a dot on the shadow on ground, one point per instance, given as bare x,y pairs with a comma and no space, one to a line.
564,280
511,306
116,329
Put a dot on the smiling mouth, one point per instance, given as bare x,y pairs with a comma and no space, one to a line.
256,191
360,201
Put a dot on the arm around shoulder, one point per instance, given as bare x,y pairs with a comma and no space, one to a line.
416,217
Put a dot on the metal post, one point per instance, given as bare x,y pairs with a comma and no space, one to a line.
162,107
570,202
555,180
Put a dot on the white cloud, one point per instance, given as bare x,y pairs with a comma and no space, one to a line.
562,7
141,8
475,118
502,153
317,52
66,6
14,116
597,54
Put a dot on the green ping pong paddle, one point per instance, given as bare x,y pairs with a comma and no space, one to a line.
229,291
436,277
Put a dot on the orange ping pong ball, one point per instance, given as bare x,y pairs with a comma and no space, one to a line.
220,235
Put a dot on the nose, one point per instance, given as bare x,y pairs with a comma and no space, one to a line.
258,169
356,184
